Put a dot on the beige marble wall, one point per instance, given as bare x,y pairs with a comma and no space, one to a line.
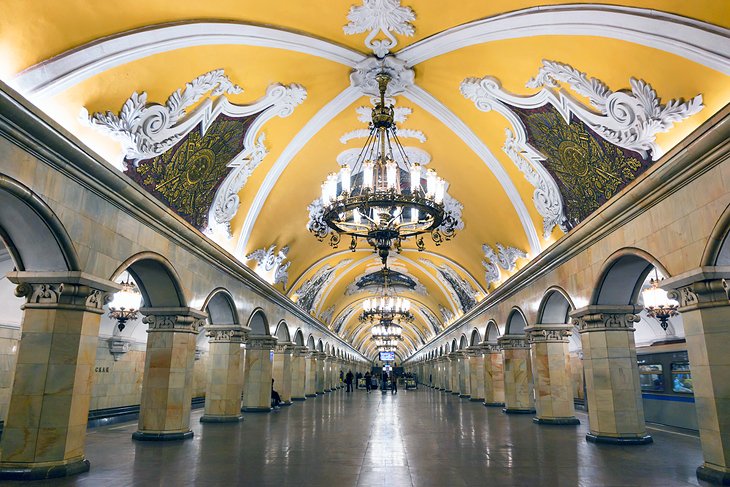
551,374
576,369
282,372
493,376
200,374
257,378
476,375
518,387
117,383
9,340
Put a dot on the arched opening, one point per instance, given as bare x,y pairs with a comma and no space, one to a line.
492,332
282,332
463,342
516,323
717,251
258,323
475,338
555,307
156,279
221,308
320,345
623,277
310,343
299,338
454,346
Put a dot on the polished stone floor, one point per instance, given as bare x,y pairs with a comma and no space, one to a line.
414,438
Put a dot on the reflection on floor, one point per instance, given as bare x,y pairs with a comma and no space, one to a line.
415,438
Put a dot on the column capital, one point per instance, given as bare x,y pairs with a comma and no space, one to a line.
490,347
606,318
300,350
180,320
704,287
284,347
321,355
260,342
548,332
513,342
226,333
475,351
63,290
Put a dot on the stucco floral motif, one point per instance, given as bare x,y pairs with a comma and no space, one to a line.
380,16
269,260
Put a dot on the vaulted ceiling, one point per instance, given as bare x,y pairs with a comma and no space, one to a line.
74,59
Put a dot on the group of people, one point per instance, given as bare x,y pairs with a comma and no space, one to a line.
388,381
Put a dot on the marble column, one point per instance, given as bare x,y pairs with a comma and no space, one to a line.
476,373
225,374
167,384
328,372
282,371
299,373
464,373
615,408
320,372
493,375
258,373
454,373
444,374
45,428
551,374
705,310
518,393
310,362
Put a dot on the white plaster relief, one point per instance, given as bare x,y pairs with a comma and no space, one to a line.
506,257
363,76
380,16
148,130
271,265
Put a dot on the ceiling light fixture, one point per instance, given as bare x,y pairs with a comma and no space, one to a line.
383,197
125,304
657,303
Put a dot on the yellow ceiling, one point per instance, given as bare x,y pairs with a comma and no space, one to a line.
33,32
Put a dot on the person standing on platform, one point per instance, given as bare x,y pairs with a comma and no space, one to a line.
368,381
348,381
384,384
393,383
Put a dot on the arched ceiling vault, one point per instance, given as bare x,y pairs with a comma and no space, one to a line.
469,108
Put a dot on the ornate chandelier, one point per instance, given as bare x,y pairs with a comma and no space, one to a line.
387,309
657,303
383,198
125,304
387,331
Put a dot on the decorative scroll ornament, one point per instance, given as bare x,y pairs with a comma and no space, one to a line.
178,323
506,257
630,120
270,264
600,321
326,315
492,274
147,130
363,76
627,120
380,16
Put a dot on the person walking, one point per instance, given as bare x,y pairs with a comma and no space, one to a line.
393,383
368,381
384,384
348,380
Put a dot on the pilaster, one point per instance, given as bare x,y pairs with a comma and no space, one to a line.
551,373
705,310
257,375
613,394
45,428
518,394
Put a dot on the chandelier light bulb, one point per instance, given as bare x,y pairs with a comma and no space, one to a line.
390,170
356,217
415,179
440,190
367,174
345,179
431,180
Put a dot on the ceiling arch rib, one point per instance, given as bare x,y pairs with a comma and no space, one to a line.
72,67
692,39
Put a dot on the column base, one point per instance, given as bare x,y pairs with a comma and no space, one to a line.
286,403
145,436
612,440
494,404
476,399
309,395
299,398
709,474
256,409
9,472
559,421
220,419
454,393
465,396
518,411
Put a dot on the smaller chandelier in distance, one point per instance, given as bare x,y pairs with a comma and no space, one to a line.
387,308
657,303
383,198
125,304
386,331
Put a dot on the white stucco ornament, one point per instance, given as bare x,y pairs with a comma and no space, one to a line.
363,75
380,16
271,265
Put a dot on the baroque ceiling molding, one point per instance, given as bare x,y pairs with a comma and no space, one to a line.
363,76
147,130
504,257
270,264
380,16
627,119
463,293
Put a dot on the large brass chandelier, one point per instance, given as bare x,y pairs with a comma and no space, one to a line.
382,197
386,309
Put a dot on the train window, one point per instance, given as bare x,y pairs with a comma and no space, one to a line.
651,377
681,378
